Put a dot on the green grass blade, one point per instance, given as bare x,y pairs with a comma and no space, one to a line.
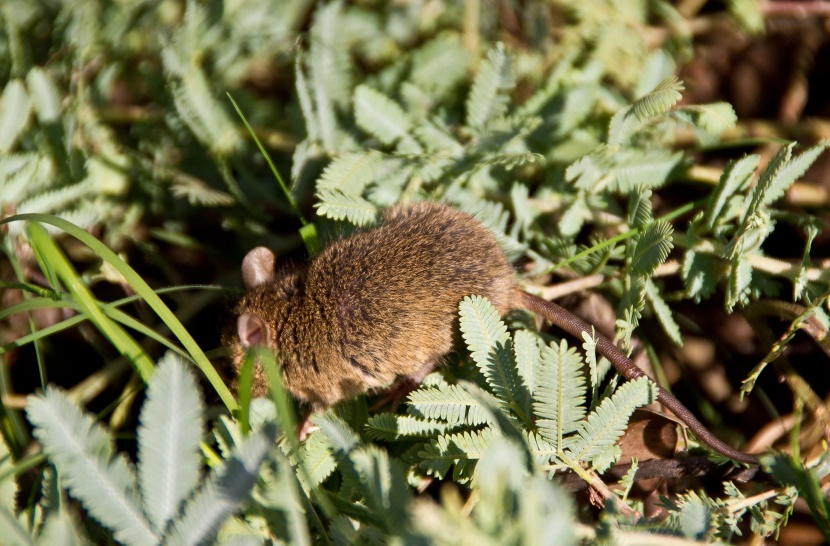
123,342
144,290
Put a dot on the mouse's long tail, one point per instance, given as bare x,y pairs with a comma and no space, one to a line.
575,326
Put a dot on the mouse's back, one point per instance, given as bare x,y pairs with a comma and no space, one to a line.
384,302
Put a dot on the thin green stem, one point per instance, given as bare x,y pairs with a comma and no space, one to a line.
685,209
270,163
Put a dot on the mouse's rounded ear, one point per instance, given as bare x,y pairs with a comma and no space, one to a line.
252,330
258,267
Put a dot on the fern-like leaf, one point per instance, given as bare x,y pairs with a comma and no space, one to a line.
663,313
783,177
337,205
652,248
204,114
644,169
462,450
639,208
316,457
389,427
598,434
13,531
527,353
735,178
448,403
223,493
740,276
660,100
383,485
350,172
560,392
44,94
492,351
168,440
342,439
439,65
494,82
699,274
381,117
304,92
15,108
84,456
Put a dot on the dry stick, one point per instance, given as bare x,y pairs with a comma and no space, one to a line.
576,327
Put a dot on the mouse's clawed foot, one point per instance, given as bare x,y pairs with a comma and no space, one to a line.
306,428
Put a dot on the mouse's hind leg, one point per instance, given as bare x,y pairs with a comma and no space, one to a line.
403,387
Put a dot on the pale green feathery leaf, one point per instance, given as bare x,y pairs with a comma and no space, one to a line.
44,94
350,172
699,274
381,117
12,531
450,403
384,485
342,439
660,100
390,427
329,53
559,401
8,486
740,277
639,208
696,518
56,200
663,313
316,457
22,175
223,493
710,120
330,66
587,172
15,107
84,455
462,450
751,234
437,138
652,248
598,434
492,350
632,303
542,451
60,529
771,188
749,15
527,353
312,123
647,169
757,194
168,440
735,178
589,345
204,114
574,216
337,205
488,98
658,66
440,65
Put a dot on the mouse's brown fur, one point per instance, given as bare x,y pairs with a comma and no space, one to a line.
383,303
379,304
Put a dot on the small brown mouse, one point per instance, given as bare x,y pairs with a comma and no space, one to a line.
383,303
